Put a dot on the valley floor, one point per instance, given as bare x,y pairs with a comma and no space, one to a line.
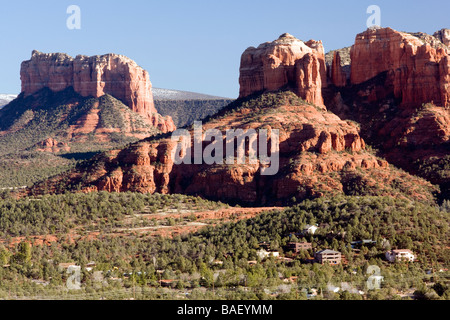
137,246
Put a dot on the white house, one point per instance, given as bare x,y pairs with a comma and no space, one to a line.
400,255
310,229
262,254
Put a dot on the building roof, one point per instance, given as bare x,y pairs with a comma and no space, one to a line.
328,251
67,264
364,241
299,242
402,250
286,259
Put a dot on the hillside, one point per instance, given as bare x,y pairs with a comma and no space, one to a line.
396,85
183,106
118,236
71,122
320,155
51,130
185,112
186,107
170,94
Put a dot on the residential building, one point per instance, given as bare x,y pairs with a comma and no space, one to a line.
360,243
310,229
400,255
262,254
66,265
299,246
328,256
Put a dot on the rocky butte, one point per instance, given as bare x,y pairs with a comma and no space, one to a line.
319,153
443,35
397,86
94,76
284,63
418,70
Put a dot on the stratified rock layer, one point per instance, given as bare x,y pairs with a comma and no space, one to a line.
93,76
340,68
417,71
319,154
444,36
399,90
286,62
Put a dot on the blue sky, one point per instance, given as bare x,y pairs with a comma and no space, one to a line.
192,45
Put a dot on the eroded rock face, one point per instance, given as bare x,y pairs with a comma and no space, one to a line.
341,66
51,145
422,136
417,69
286,61
399,91
444,36
94,76
318,155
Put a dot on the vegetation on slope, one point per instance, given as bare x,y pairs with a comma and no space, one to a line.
26,122
185,112
191,261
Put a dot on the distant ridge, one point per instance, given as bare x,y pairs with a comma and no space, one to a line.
183,106
158,94
6,98
186,107
169,94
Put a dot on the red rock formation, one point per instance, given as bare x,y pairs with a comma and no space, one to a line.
317,153
94,76
51,145
76,123
420,137
418,70
416,130
444,36
340,69
410,69
284,62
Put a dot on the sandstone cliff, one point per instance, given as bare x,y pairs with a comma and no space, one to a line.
419,72
383,84
93,76
399,90
339,66
444,36
285,62
319,154
65,121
